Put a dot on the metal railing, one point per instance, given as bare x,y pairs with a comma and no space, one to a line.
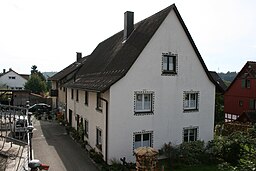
15,135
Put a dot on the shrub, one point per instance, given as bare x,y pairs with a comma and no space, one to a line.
97,157
192,153
170,151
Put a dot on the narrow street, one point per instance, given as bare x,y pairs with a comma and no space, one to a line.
52,146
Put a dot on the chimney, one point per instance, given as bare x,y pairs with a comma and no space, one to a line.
4,71
128,24
78,56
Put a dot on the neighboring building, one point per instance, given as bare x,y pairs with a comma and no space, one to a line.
12,80
240,96
247,117
144,86
219,98
58,92
221,88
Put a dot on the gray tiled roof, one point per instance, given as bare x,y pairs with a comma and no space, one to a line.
222,86
69,69
112,58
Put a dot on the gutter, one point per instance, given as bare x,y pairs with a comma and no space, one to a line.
106,133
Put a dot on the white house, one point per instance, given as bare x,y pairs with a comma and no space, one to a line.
58,92
12,80
144,86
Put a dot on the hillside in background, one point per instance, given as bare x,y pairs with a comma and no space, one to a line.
227,77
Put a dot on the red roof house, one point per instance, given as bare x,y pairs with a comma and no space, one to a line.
240,96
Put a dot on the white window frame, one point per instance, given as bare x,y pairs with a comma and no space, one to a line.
142,142
166,70
143,108
190,131
187,103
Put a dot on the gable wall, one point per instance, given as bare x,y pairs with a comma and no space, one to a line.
237,93
168,119
15,83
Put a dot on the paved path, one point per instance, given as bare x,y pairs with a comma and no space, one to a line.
52,146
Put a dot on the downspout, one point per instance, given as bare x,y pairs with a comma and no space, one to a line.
106,133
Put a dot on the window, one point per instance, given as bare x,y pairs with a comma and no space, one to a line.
252,104
143,102
169,63
190,101
98,139
77,95
230,117
86,97
240,103
99,101
86,128
246,83
11,77
142,140
190,134
72,93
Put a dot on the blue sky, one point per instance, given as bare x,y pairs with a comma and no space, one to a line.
48,33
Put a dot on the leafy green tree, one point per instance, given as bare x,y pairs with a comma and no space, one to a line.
237,151
35,84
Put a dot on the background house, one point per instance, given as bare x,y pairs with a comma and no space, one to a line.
144,86
58,92
240,96
12,80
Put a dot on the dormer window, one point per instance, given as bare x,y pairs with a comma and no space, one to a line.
169,63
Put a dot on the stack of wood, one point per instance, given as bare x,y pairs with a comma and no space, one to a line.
146,158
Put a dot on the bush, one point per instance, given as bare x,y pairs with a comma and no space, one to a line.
171,151
188,153
192,153
97,157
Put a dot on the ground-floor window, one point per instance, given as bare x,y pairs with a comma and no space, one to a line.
86,128
142,139
230,117
99,138
190,134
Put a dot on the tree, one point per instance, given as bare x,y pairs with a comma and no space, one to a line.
35,84
35,71
219,109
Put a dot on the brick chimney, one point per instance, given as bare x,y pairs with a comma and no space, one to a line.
128,24
78,56
4,71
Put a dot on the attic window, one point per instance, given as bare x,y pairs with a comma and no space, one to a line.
11,77
246,83
169,64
